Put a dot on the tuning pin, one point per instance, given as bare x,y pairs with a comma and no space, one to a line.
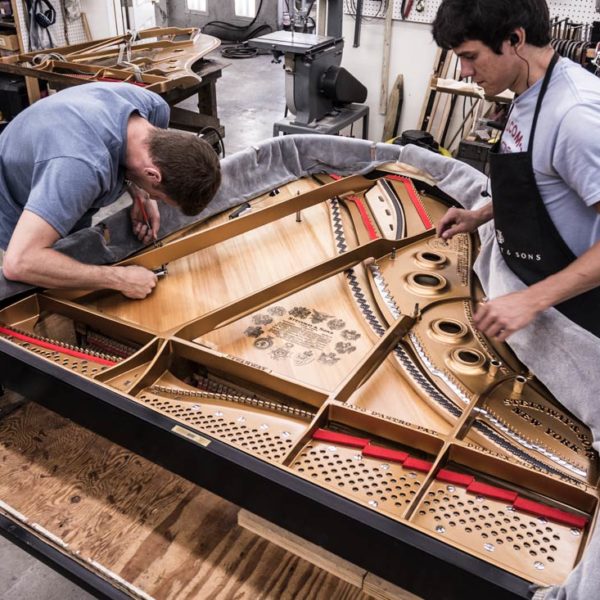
518,386
494,368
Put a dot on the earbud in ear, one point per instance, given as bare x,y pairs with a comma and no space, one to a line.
513,39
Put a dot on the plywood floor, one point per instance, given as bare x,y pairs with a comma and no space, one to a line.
166,536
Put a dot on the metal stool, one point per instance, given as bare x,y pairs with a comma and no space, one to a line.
329,125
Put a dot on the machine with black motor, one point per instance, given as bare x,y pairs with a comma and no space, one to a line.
315,84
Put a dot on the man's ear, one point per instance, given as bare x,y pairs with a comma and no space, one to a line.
517,38
153,175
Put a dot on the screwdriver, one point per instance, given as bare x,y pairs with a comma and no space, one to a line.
142,208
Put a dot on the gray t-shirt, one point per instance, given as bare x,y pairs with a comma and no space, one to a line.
566,150
63,157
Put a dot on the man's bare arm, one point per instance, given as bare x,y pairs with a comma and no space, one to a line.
505,315
30,258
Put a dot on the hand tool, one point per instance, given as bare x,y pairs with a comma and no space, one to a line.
144,214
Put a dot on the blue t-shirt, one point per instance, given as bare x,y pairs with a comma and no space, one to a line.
63,157
566,150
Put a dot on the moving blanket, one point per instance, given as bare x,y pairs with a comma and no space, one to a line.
561,354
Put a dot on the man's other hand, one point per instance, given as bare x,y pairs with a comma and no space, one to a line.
459,220
145,216
503,316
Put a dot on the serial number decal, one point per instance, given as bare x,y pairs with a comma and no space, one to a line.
190,435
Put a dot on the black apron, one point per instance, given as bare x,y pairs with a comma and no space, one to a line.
529,241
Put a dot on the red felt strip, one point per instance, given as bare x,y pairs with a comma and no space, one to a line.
324,435
417,464
553,514
56,348
414,198
384,453
335,177
490,491
454,477
364,215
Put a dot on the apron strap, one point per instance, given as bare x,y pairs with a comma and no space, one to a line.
538,107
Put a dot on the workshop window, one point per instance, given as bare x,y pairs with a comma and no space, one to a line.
196,5
245,8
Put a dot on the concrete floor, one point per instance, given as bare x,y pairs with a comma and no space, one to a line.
250,98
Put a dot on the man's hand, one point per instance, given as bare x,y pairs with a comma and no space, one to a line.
503,316
31,259
136,282
145,216
459,220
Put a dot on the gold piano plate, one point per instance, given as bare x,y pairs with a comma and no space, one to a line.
329,333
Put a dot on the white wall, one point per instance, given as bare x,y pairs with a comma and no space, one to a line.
101,18
412,55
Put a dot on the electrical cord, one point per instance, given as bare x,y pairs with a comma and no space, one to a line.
225,25
239,51
242,50
209,129
309,17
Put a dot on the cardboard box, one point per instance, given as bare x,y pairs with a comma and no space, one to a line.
9,42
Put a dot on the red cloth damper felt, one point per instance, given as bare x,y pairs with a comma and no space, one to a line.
56,347
324,435
417,464
455,478
384,453
414,199
490,491
364,215
553,514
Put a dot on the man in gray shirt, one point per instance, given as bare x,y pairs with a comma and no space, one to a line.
544,171
69,154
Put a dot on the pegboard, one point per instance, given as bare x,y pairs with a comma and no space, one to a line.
580,11
75,31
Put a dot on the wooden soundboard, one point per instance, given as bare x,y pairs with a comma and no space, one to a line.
325,340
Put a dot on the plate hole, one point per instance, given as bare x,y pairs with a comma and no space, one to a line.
468,357
426,280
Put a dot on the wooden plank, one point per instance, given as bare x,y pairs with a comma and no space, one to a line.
392,118
372,585
86,27
385,65
318,556
384,590
153,530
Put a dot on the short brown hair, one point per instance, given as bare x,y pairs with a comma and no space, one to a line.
189,167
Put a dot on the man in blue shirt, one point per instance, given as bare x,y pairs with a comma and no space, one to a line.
70,154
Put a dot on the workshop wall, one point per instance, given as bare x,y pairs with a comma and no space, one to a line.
101,18
412,55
